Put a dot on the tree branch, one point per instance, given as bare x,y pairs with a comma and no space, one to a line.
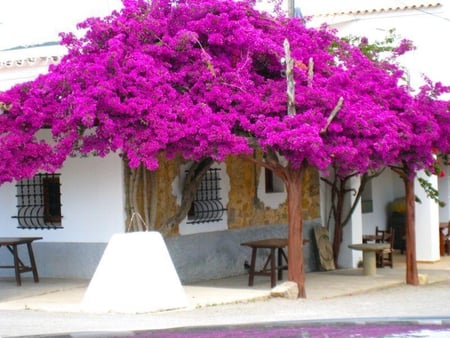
4,108
289,79
310,71
332,115
191,184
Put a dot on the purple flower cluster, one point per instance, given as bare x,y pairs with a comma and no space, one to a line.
199,77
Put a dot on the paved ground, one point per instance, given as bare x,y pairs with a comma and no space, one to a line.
332,296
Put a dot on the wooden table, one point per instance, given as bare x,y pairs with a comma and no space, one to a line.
369,257
12,243
275,245
277,259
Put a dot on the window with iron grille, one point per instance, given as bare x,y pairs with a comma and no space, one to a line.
207,206
39,202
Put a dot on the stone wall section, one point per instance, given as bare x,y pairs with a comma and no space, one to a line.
245,208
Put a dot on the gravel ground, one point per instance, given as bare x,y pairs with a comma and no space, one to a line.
430,302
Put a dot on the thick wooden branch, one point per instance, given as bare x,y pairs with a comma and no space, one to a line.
289,79
192,182
4,108
310,71
399,170
272,158
254,160
332,115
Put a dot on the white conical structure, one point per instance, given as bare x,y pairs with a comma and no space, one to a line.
135,275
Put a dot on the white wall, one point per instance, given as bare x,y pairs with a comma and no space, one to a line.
352,232
427,223
22,65
382,194
92,202
271,200
444,195
422,26
92,192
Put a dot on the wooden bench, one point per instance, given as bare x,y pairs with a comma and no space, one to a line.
12,243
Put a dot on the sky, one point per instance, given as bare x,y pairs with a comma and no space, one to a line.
28,22
31,22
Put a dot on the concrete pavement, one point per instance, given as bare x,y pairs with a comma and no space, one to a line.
62,295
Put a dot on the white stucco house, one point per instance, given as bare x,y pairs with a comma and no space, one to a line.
91,214
93,203
92,191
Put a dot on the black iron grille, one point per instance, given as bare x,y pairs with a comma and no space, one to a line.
39,202
207,206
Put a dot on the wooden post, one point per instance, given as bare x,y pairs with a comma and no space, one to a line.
412,276
296,264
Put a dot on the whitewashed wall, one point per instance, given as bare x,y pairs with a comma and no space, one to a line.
92,202
423,26
444,195
383,192
92,199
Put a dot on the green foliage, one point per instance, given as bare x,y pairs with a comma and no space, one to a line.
431,191
385,50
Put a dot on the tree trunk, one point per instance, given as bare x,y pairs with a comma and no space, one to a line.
296,266
293,180
153,199
191,184
339,209
339,192
412,276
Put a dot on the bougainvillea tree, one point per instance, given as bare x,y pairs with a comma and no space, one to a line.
425,137
423,122
384,53
207,79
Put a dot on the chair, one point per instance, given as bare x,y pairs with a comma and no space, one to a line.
444,238
447,240
386,257
379,235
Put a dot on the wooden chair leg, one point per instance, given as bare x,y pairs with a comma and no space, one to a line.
280,264
33,263
251,272
16,265
273,268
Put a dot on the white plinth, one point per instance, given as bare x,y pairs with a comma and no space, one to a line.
135,275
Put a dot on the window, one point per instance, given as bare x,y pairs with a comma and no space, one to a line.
207,205
39,202
271,189
273,183
366,199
